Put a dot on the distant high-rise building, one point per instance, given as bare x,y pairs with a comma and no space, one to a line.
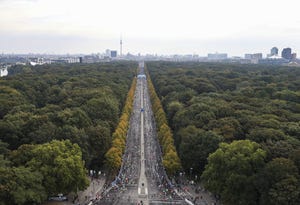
274,51
107,52
217,56
253,57
90,59
113,54
287,53
257,56
248,56
121,46
294,56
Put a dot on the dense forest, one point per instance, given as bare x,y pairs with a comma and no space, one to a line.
238,126
170,159
113,157
57,114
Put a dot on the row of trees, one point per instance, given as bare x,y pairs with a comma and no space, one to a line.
246,177
31,173
79,102
248,107
115,153
171,161
55,121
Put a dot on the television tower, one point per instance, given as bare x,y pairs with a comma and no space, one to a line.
121,44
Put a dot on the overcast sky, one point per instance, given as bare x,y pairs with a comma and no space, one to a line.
149,26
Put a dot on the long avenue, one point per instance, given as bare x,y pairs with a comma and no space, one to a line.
142,178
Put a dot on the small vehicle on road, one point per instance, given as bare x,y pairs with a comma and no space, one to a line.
58,197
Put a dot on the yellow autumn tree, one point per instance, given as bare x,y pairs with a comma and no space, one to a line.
113,159
171,160
114,155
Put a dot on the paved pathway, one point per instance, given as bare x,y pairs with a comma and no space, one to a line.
84,197
143,184
92,192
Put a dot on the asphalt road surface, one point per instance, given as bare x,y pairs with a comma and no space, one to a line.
142,178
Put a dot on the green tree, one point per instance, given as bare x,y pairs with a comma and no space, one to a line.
172,108
114,155
22,155
171,162
20,186
99,142
9,98
61,165
114,159
229,128
65,102
195,147
3,148
265,134
279,183
103,109
75,117
281,148
232,170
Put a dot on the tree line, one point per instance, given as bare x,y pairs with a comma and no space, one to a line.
114,154
171,161
33,172
237,126
56,121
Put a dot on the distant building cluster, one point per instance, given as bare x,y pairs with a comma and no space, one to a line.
286,53
285,57
40,59
274,51
253,58
217,56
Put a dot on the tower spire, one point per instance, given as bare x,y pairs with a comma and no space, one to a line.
121,44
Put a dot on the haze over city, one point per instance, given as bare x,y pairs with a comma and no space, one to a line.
162,27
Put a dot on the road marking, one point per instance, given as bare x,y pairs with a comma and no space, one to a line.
143,187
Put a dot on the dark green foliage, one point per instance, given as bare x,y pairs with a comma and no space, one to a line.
55,120
232,171
9,97
114,154
81,103
171,161
38,171
279,183
196,144
236,102
21,185
246,101
60,163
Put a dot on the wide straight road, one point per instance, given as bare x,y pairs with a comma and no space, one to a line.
142,178
143,185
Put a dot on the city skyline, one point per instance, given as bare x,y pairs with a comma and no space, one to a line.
156,27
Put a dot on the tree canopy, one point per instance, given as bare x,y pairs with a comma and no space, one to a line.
209,103
56,121
114,155
171,161
38,171
79,102
240,162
